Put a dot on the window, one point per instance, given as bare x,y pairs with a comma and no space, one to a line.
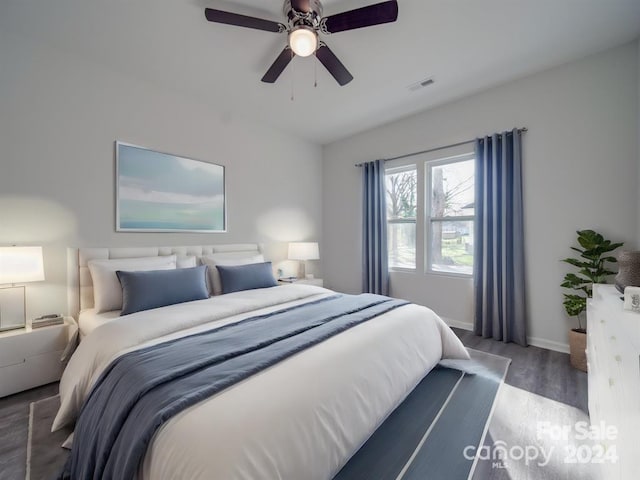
430,214
451,190
401,216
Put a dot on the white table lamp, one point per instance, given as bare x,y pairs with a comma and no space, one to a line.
17,265
303,251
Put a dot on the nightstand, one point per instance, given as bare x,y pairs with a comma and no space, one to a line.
305,281
31,357
311,281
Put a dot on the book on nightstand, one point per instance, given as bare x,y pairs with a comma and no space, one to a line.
47,321
287,279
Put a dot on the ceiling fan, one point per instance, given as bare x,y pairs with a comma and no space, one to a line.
304,23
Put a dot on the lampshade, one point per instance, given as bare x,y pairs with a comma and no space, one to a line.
303,41
21,264
304,251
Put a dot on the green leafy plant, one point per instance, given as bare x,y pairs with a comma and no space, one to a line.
592,268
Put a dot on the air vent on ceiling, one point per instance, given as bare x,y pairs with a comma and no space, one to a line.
414,87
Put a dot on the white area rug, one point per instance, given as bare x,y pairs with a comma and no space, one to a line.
532,437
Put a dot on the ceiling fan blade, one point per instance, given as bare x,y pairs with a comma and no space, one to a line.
384,12
278,66
228,18
335,66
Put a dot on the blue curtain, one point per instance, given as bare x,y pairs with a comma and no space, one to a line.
499,275
375,270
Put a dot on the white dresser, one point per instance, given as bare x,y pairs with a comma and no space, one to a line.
613,358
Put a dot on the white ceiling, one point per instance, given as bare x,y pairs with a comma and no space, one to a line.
465,45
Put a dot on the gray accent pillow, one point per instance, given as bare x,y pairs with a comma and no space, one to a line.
159,288
235,278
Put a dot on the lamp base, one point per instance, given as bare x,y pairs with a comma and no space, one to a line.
301,268
12,308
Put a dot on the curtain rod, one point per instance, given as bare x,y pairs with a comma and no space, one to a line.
523,129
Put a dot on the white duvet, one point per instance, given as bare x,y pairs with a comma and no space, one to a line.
302,418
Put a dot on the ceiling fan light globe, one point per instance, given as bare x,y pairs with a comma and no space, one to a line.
303,41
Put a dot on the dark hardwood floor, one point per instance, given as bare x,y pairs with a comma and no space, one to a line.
14,430
536,370
533,369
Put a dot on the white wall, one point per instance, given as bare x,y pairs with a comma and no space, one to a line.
580,171
60,118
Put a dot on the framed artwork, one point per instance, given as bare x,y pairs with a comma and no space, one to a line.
159,192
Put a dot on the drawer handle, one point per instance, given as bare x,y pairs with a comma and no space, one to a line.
611,382
15,363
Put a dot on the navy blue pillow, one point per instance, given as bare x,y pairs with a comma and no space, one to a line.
246,277
158,288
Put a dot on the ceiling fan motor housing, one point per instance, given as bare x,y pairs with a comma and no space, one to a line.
303,12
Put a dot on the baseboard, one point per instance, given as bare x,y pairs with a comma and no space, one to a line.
533,341
458,324
548,344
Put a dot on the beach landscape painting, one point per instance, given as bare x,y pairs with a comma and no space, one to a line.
159,192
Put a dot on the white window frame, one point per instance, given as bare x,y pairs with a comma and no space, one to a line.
428,219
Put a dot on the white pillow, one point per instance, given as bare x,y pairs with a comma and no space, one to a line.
107,292
224,259
186,261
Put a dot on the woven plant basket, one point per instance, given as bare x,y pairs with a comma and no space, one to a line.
577,349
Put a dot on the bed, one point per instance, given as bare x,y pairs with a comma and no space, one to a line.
302,416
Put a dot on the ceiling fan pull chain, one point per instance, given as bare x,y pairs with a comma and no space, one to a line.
292,82
315,70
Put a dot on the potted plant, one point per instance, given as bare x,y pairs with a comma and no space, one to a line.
592,268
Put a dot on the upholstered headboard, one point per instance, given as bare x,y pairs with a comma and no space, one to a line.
80,285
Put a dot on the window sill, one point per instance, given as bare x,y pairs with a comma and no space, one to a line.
402,270
449,274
